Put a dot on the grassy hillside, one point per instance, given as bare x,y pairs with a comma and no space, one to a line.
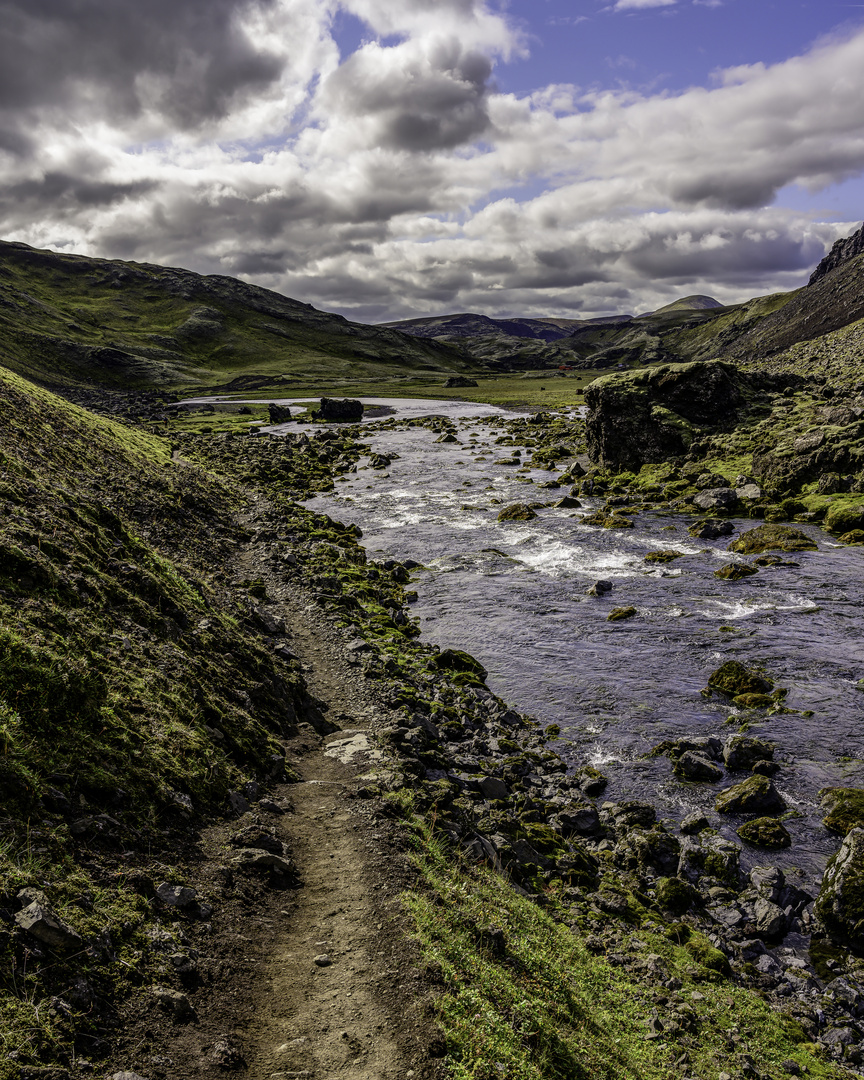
66,320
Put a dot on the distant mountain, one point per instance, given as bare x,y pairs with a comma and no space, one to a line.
690,303
72,320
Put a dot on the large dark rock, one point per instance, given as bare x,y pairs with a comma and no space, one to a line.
460,380
840,904
650,415
279,414
342,411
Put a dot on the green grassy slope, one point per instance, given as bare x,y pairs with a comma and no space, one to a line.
71,320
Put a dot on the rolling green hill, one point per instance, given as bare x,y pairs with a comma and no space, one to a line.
67,320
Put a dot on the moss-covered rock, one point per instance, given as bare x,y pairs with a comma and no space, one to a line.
845,807
517,512
843,516
840,904
459,661
735,571
733,678
765,832
675,895
772,537
752,796
704,953
854,536
663,556
619,613
743,751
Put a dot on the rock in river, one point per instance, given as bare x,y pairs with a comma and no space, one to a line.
516,512
765,832
772,538
752,796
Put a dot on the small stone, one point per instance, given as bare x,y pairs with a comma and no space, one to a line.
173,1001
43,923
178,896
258,859
619,613
271,806
599,588
239,803
322,960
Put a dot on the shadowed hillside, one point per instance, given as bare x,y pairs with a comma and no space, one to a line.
71,320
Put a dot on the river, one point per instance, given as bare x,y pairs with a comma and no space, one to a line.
514,595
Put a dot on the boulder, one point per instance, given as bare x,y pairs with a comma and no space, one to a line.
599,588
619,613
710,855
772,537
179,896
691,766
732,679
652,414
840,904
341,411
578,818
46,925
459,380
765,832
743,751
664,556
457,660
844,517
716,499
735,571
493,788
710,529
516,512
845,808
279,414
756,795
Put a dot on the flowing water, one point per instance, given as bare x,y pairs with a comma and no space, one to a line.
513,594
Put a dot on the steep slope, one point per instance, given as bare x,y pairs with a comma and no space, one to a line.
71,320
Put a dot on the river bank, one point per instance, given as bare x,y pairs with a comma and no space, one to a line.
561,963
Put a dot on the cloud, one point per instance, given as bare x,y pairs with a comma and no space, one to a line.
395,180
633,5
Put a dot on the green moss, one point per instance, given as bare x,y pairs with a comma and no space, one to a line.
845,808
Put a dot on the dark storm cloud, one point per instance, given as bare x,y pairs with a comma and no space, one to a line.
418,99
95,52
60,189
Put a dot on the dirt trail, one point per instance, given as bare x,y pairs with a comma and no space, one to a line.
340,995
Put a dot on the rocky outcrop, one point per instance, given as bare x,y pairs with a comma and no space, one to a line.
648,416
340,411
459,380
840,904
842,252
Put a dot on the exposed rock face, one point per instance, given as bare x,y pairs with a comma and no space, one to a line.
840,904
842,252
344,411
647,416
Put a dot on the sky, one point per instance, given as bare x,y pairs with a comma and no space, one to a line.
389,159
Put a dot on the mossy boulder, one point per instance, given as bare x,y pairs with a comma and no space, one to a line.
840,904
743,751
619,613
855,536
773,537
710,529
843,517
663,556
733,679
517,512
735,571
765,832
675,895
704,953
692,766
845,808
459,661
752,796
753,701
